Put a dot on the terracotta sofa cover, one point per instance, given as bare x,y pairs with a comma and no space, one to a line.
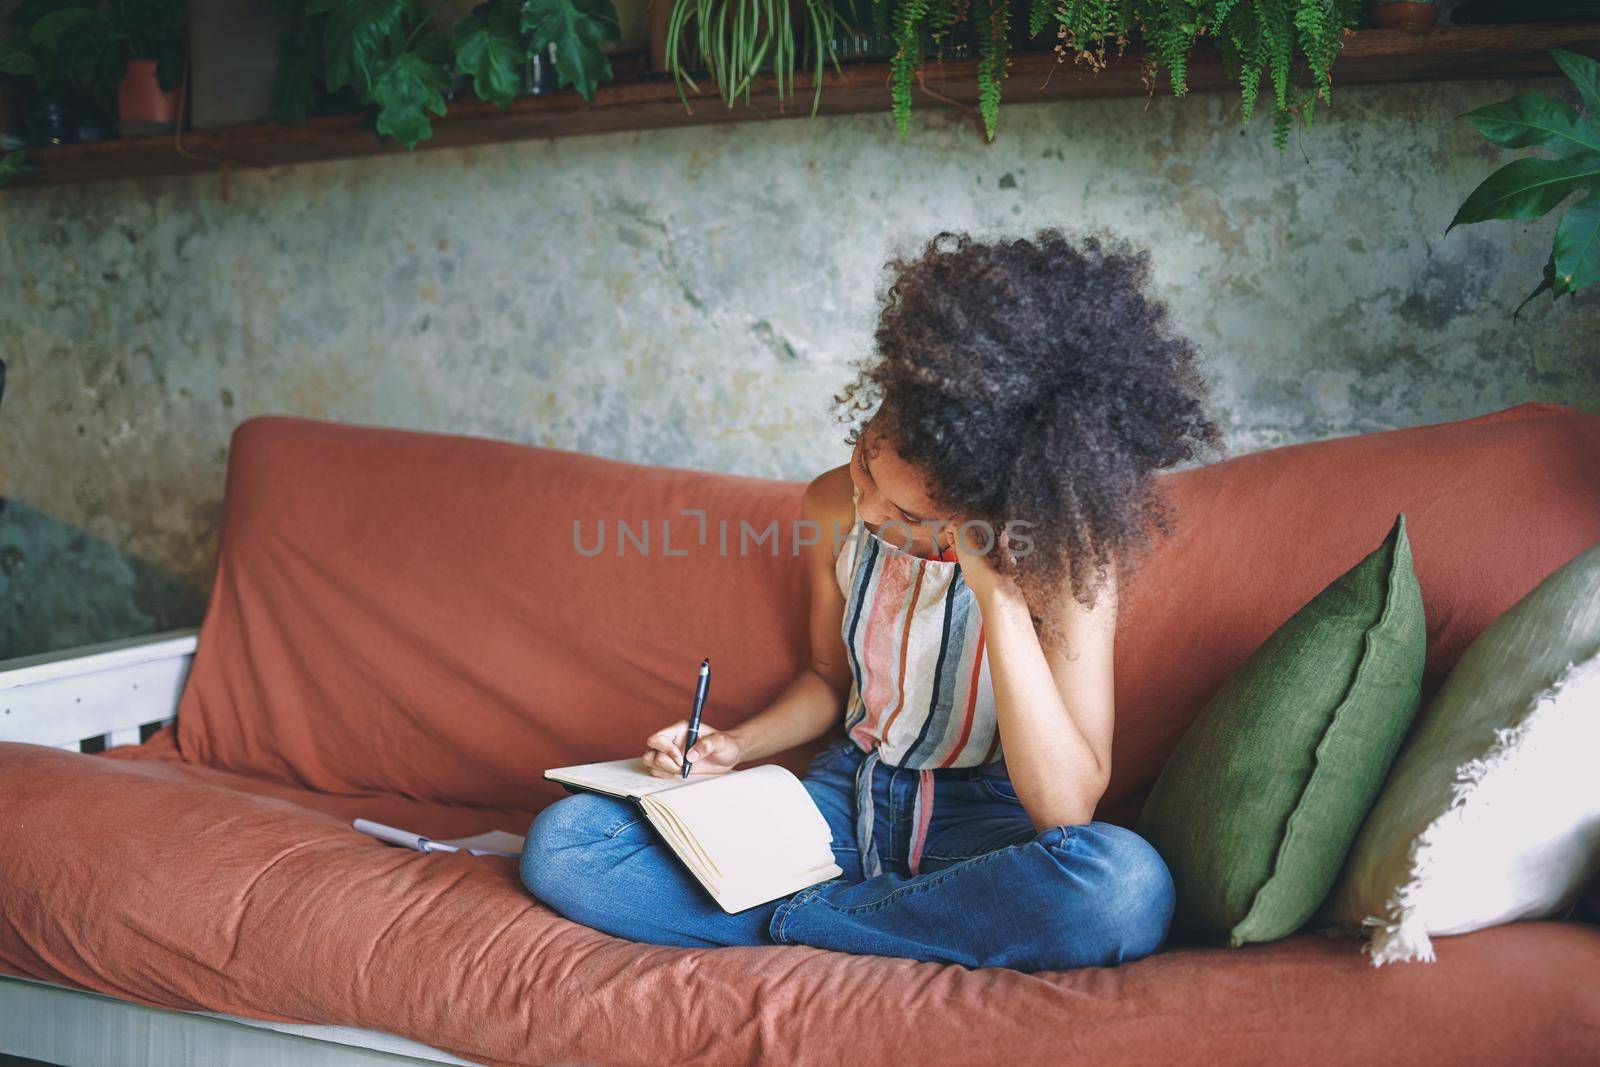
402,628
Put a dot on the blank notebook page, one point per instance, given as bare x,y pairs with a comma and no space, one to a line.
755,823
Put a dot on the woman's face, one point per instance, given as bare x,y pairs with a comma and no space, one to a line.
892,491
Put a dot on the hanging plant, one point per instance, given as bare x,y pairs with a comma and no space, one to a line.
917,22
1533,186
736,40
1258,40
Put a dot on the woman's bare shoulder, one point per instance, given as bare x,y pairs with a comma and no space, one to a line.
829,502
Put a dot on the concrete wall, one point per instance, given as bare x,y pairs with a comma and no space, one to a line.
694,298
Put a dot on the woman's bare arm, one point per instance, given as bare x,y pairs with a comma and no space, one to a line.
1054,710
810,705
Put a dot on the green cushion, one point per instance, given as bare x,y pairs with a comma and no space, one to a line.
1260,802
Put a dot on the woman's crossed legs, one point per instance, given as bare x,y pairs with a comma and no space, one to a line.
992,890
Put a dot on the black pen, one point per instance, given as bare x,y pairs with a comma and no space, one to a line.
700,689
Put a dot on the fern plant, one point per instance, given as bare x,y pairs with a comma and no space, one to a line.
1259,41
915,23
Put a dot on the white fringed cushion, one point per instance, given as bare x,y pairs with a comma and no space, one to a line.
1491,812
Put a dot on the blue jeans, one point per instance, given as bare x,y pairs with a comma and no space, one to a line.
991,891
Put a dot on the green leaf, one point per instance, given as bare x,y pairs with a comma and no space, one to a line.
1585,74
48,31
990,20
30,11
12,164
1576,253
1527,188
101,71
1534,120
577,28
355,33
16,57
290,99
490,51
91,56
405,90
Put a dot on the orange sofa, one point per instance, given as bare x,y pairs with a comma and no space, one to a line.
404,627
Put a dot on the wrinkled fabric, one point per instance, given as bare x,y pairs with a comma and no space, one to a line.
996,892
408,613
183,887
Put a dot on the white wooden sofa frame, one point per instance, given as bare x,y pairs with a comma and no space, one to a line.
88,699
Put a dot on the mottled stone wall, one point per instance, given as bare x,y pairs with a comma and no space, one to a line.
694,297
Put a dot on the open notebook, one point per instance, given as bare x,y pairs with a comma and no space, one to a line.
748,836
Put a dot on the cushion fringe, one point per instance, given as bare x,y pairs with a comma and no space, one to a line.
1402,935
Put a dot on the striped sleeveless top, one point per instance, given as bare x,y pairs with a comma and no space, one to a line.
921,696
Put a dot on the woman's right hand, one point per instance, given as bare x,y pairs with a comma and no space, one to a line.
716,752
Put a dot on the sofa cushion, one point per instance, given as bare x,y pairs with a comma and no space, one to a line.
1491,813
406,613
1259,804
410,613
188,888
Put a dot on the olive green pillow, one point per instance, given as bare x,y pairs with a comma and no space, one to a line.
1261,800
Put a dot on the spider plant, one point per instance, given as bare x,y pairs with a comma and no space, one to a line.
738,39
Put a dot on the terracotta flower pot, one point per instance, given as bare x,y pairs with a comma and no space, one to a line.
1408,16
142,105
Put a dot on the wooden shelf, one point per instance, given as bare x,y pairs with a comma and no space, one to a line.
1368,56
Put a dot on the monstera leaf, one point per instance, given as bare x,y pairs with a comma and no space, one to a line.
1533,186
489,50
577,28
409,86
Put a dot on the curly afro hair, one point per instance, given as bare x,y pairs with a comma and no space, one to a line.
1036,381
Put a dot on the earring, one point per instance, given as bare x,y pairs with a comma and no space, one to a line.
855,494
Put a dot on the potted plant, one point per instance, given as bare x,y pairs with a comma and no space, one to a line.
1533,186
401,61
30,49
149,39
125,58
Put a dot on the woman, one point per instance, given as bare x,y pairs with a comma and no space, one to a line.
1022,394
